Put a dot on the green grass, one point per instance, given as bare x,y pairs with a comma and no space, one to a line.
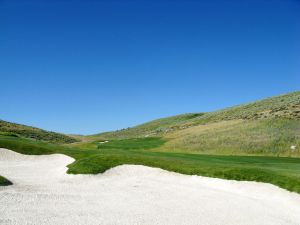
13,129
152,128
4,181
132,144
280,171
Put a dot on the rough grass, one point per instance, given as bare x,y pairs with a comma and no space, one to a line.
151,128
284,106
13,129
283,172
266,127
4,181
260,137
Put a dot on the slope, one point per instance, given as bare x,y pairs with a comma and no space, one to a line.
14,129
266,127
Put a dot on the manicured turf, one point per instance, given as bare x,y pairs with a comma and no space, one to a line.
4,181
283,172
131,144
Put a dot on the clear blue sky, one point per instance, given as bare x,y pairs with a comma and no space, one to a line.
85,66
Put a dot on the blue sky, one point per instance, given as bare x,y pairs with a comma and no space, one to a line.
86,66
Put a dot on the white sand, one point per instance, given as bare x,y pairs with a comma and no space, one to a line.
44,194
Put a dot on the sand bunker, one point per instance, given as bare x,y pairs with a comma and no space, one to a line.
44,194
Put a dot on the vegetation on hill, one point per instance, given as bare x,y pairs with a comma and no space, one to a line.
284,106
151,128
284,172
13,129
266,127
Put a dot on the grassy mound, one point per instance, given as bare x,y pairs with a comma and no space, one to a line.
13,129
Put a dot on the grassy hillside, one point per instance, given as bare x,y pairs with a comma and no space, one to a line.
153,128
266,127
282,106
13,129
283,172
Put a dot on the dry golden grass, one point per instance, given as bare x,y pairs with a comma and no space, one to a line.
267,137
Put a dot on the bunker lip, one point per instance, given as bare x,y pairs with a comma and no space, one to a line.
134,194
